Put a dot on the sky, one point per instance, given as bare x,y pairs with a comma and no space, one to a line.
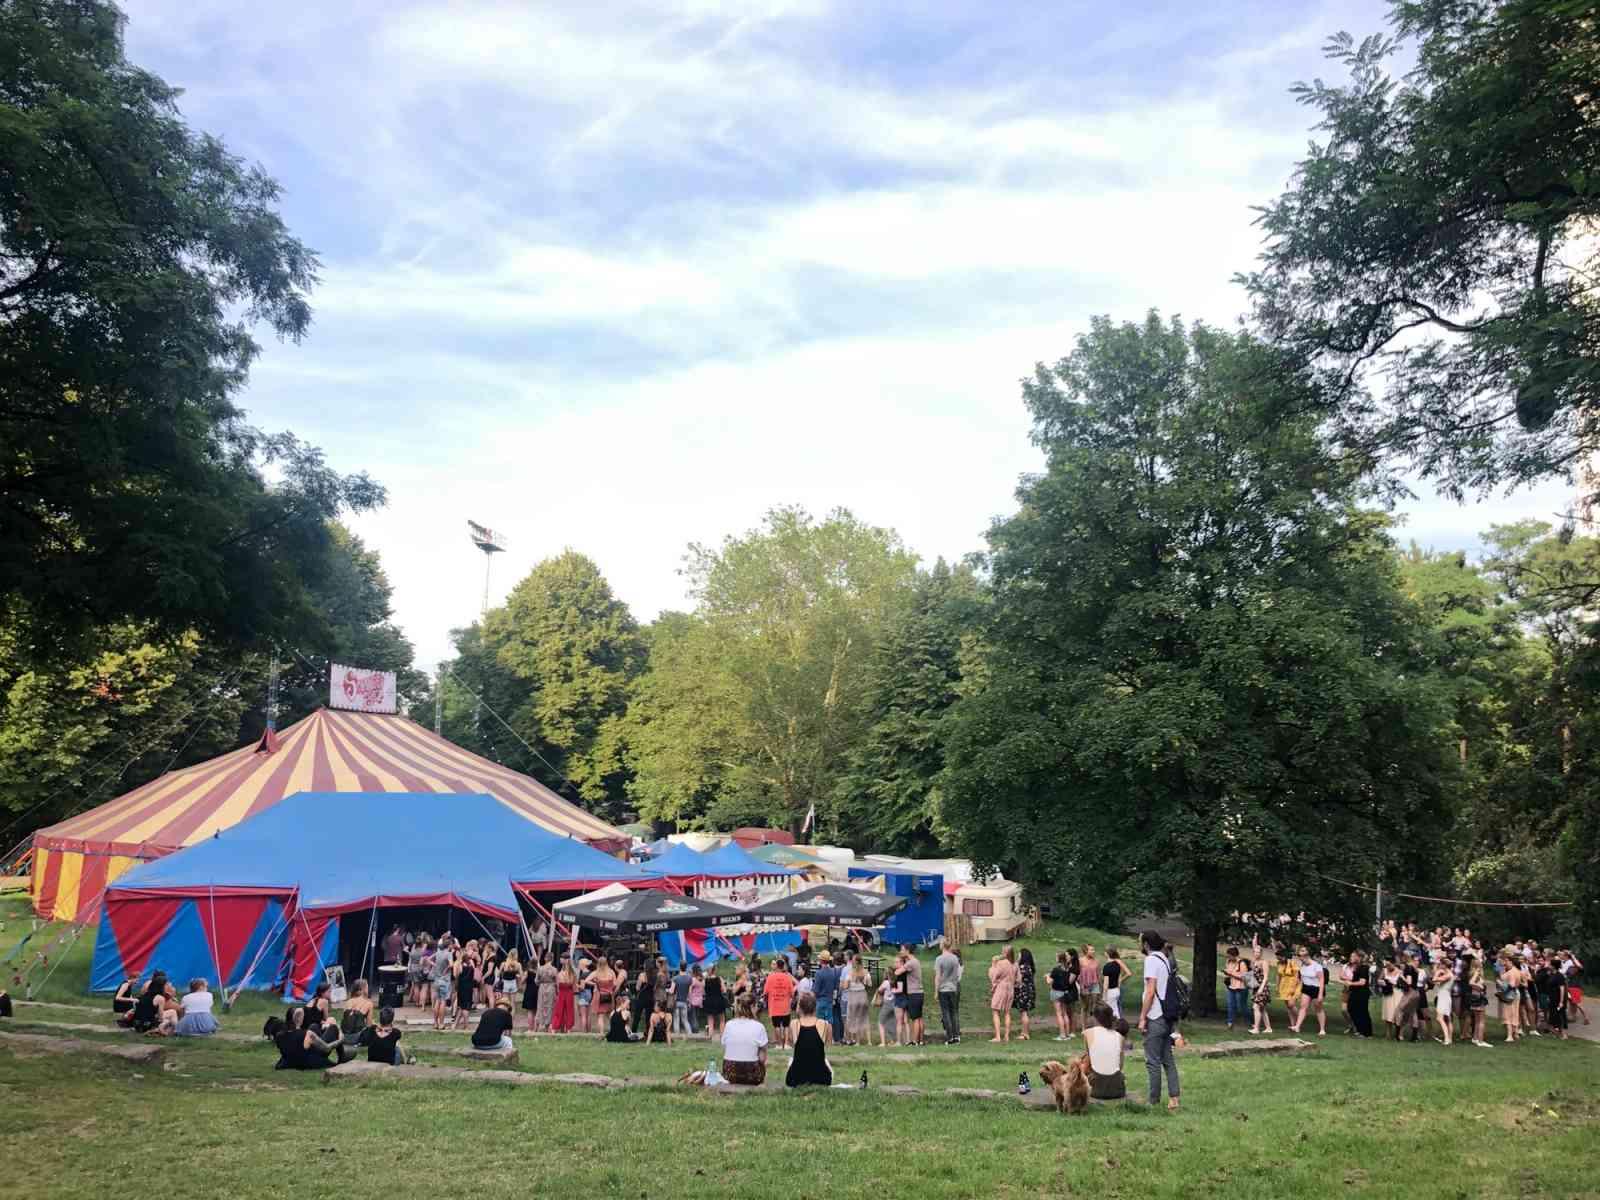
623,277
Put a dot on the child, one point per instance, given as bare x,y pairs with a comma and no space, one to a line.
887,1012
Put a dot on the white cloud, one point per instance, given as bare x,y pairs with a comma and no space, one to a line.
624,276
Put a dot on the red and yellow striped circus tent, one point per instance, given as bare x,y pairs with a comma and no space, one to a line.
329,751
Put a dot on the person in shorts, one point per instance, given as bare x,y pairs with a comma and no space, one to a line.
779,989
910,968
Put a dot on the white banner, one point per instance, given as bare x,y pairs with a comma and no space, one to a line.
362,691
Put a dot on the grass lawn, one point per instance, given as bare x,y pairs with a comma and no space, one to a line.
1368,1118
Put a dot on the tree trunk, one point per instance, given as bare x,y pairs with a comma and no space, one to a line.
1203,987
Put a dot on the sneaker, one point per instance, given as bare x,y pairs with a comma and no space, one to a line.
1061,1037
1023,1086
956,1041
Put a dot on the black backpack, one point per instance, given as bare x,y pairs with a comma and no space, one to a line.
1175,1004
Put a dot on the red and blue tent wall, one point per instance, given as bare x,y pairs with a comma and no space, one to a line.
230,941
313,947
706,946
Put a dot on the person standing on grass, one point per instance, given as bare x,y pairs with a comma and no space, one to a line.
1156,1023
1511,984
1358,994
1260,992
1313,985
1112,976
1444,982
912,967
825,987
888,1012
946,984
1025,995
1002,989
443,982
681,983
1088,986
1235,970
1289,985
1477,1004
779,990
1572,972
857,985
1063,995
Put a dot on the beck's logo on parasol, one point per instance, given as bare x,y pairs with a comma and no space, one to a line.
614,906
674,907
815,904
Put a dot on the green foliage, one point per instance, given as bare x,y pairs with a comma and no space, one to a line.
889,798
135,255
786,623
556,661
1203,676
1438,240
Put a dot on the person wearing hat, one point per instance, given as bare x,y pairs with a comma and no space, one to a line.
826,988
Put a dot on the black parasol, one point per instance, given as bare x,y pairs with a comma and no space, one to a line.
828,904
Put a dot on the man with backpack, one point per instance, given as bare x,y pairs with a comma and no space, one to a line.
1158,1019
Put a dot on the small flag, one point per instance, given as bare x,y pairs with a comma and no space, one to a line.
811,815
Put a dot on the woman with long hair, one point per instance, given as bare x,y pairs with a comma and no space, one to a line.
547,993
1063,995
1025,994
1088,985
565,1014
1510,997
1444,980
856,984
1002,988
1477,1003
715,1004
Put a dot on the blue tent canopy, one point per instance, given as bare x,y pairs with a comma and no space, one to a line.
725,862
350,849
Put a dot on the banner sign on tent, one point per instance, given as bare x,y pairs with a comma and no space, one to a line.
362,691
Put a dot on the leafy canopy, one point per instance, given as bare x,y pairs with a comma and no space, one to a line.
136,255
1198,677
1438,245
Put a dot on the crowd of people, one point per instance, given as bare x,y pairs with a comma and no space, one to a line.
158,1010
1444,977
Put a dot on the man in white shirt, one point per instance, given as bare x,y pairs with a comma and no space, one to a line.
1155,1024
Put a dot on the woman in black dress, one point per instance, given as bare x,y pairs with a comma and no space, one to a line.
530,990
1026,994
644,999
810,1062
715,1005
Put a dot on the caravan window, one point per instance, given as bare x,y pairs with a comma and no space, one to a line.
977,908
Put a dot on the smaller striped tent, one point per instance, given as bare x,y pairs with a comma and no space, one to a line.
329,751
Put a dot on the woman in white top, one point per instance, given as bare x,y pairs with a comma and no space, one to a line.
744,1046
1444,980
197,1019
1313,986
1106,1046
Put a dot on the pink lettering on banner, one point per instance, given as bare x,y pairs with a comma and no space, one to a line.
362,691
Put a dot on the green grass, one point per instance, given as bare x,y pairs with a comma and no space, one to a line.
1367,1118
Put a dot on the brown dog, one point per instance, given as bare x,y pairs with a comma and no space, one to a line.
1069,1082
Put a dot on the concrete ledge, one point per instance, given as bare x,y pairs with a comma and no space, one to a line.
139,1054
496,1055
1234,1049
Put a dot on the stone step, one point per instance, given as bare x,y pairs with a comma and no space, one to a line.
140,1054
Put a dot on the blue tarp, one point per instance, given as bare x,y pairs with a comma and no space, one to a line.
725,862
349,848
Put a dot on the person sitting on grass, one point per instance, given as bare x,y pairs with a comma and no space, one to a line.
197,1019
660,1029
146,1015
617,1030
357,1011
300,1049
494,1027
126,996
744,1046
809,1066
383,1040
1107,1043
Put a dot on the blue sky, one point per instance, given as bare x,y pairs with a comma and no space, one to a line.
621,277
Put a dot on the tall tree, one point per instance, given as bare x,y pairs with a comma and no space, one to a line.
1198,694
136,255
889,797
1438,241
786,622
555,662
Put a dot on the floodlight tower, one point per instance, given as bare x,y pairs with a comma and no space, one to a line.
491,543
